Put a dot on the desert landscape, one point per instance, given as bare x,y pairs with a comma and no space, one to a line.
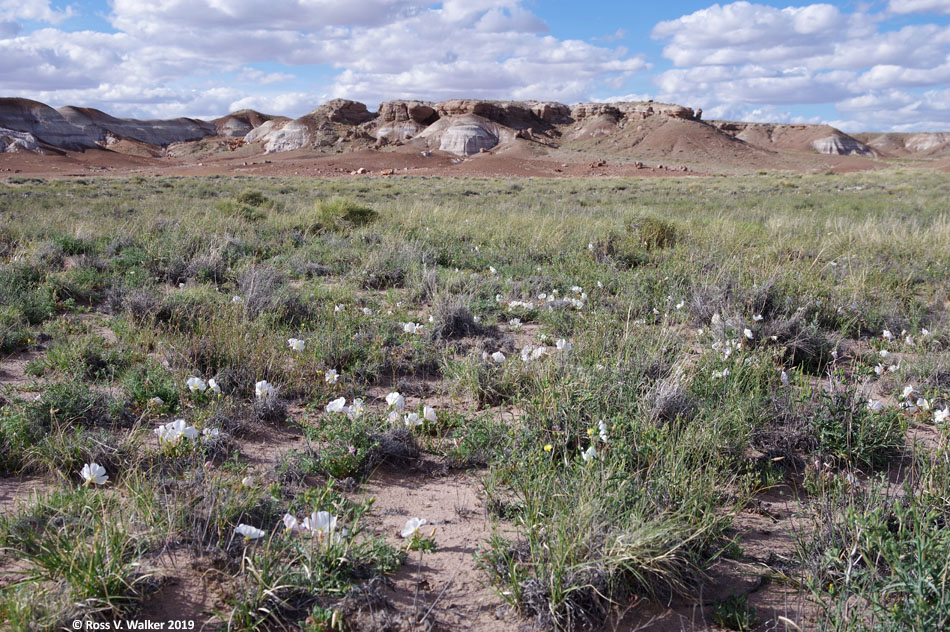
462,137
474,363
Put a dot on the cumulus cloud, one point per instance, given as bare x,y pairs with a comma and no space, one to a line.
264,78
376,49
39,10
919,6
741,59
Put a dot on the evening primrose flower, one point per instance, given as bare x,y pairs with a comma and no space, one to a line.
515,323
941,416
291,524
196,384
412,420
249,532
264,389
412,527
296,344
498,356
428,413
589,453
887,335
321,524
367,311
875,406
757,317
412,328
214,386
602,429
908,391
784,378
172,432
94,473
396,401
331,376
237,299
563,345
356,409
337,405
156,401
747,333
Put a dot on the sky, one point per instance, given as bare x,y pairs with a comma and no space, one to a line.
860,66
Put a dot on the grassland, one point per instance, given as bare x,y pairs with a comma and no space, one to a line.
702,393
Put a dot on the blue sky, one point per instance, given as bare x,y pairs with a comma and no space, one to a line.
858,65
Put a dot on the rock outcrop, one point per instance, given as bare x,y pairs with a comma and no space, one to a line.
398,121
12,141
293,135
466,134
331,123
917,144
631,110
344,111
841,145
510,114
823,139
98,125
43,123
552,112
239,124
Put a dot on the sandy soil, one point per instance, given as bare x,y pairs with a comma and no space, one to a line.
513,161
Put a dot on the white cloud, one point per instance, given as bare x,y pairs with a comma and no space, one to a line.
622,98
377,49
264,78
919,6
38,10
741,59
295,102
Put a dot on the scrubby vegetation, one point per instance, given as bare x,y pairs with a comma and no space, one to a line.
627,368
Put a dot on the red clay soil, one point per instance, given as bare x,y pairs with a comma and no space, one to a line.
664,152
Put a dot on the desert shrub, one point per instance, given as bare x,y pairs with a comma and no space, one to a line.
342,213
623,249
69,403
270,410
849,432
258,287
148,380
393,263
805,345
452,318
140,304
87,358
70,245
878,562
653,233
185,309
251,198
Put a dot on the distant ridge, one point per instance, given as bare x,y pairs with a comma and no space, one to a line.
459,127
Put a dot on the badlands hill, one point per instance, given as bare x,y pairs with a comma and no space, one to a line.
485,137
